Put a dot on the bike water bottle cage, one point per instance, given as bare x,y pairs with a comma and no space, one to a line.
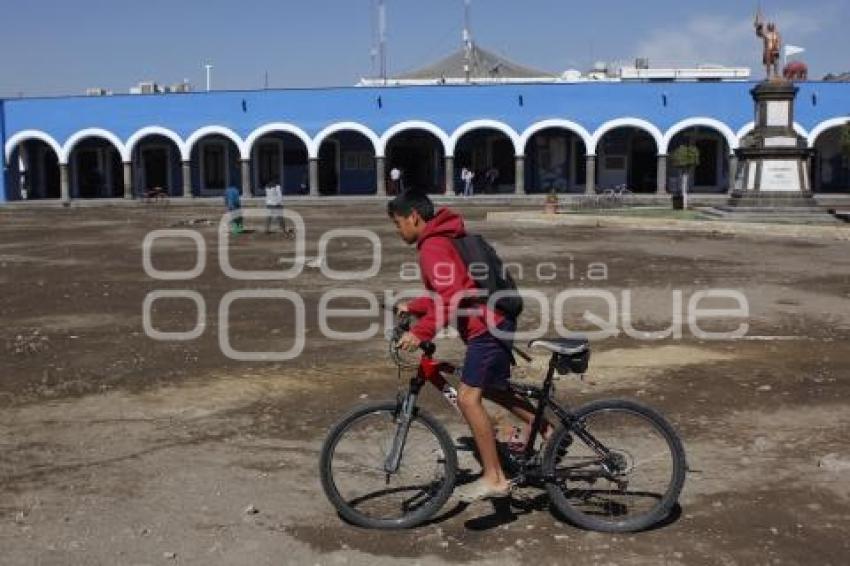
569,354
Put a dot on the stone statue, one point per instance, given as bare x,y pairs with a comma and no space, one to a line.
772,46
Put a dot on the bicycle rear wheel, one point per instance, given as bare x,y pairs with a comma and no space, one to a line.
619,467
356,482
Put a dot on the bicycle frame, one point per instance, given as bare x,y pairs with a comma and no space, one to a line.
432,371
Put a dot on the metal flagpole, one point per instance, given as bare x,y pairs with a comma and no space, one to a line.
382,38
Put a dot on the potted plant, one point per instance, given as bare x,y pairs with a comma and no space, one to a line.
550,204
686,159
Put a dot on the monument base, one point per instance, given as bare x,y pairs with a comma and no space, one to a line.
774,158
768,170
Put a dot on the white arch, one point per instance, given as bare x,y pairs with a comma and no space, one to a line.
77,137
151,131
276,127
341,126
413,125
717,125
627,122
212,130
824,126
744,130
750,126
25,135
479,125
573,127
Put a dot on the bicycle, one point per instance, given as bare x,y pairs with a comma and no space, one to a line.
623,196
615,197
587,466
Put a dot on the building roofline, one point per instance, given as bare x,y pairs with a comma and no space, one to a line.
540,84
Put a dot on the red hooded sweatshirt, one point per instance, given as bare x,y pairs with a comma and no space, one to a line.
444,273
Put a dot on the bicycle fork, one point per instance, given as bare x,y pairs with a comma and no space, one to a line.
405,417
429,372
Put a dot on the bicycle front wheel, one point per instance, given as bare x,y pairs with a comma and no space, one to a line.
618,467
355,479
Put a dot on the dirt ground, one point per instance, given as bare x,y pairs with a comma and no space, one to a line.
116,448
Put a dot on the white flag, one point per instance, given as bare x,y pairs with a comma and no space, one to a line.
793,50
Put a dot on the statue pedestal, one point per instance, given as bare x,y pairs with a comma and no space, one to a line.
773,160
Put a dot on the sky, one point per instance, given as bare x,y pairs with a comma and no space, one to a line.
56,47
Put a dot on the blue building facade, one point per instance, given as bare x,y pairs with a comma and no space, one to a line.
520,138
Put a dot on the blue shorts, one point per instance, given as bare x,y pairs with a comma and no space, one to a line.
488,361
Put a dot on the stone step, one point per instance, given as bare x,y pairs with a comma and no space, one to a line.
778,210
765,204
771,201
797,216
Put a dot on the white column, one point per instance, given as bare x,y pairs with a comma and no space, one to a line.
450,174
519,168
245,166
128,180
590,175
381,178
64,184
661,172
733,172
314,177
187,179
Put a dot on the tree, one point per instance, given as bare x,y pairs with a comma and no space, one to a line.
686,158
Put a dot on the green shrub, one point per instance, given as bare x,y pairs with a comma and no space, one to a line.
685,157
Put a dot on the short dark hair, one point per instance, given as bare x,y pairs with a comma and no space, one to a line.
408,201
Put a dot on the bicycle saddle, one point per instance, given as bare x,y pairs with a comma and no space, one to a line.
566,346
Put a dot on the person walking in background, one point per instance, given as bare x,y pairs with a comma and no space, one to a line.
490,178
395,181
233,204
24,184
274,206
466,175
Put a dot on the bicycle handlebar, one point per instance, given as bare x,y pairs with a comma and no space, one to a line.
405,321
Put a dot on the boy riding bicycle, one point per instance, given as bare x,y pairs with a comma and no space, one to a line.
487,365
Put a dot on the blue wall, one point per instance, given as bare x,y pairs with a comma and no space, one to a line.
448,107
519,106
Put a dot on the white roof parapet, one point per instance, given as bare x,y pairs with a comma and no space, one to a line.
685,74
707,74
456,81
